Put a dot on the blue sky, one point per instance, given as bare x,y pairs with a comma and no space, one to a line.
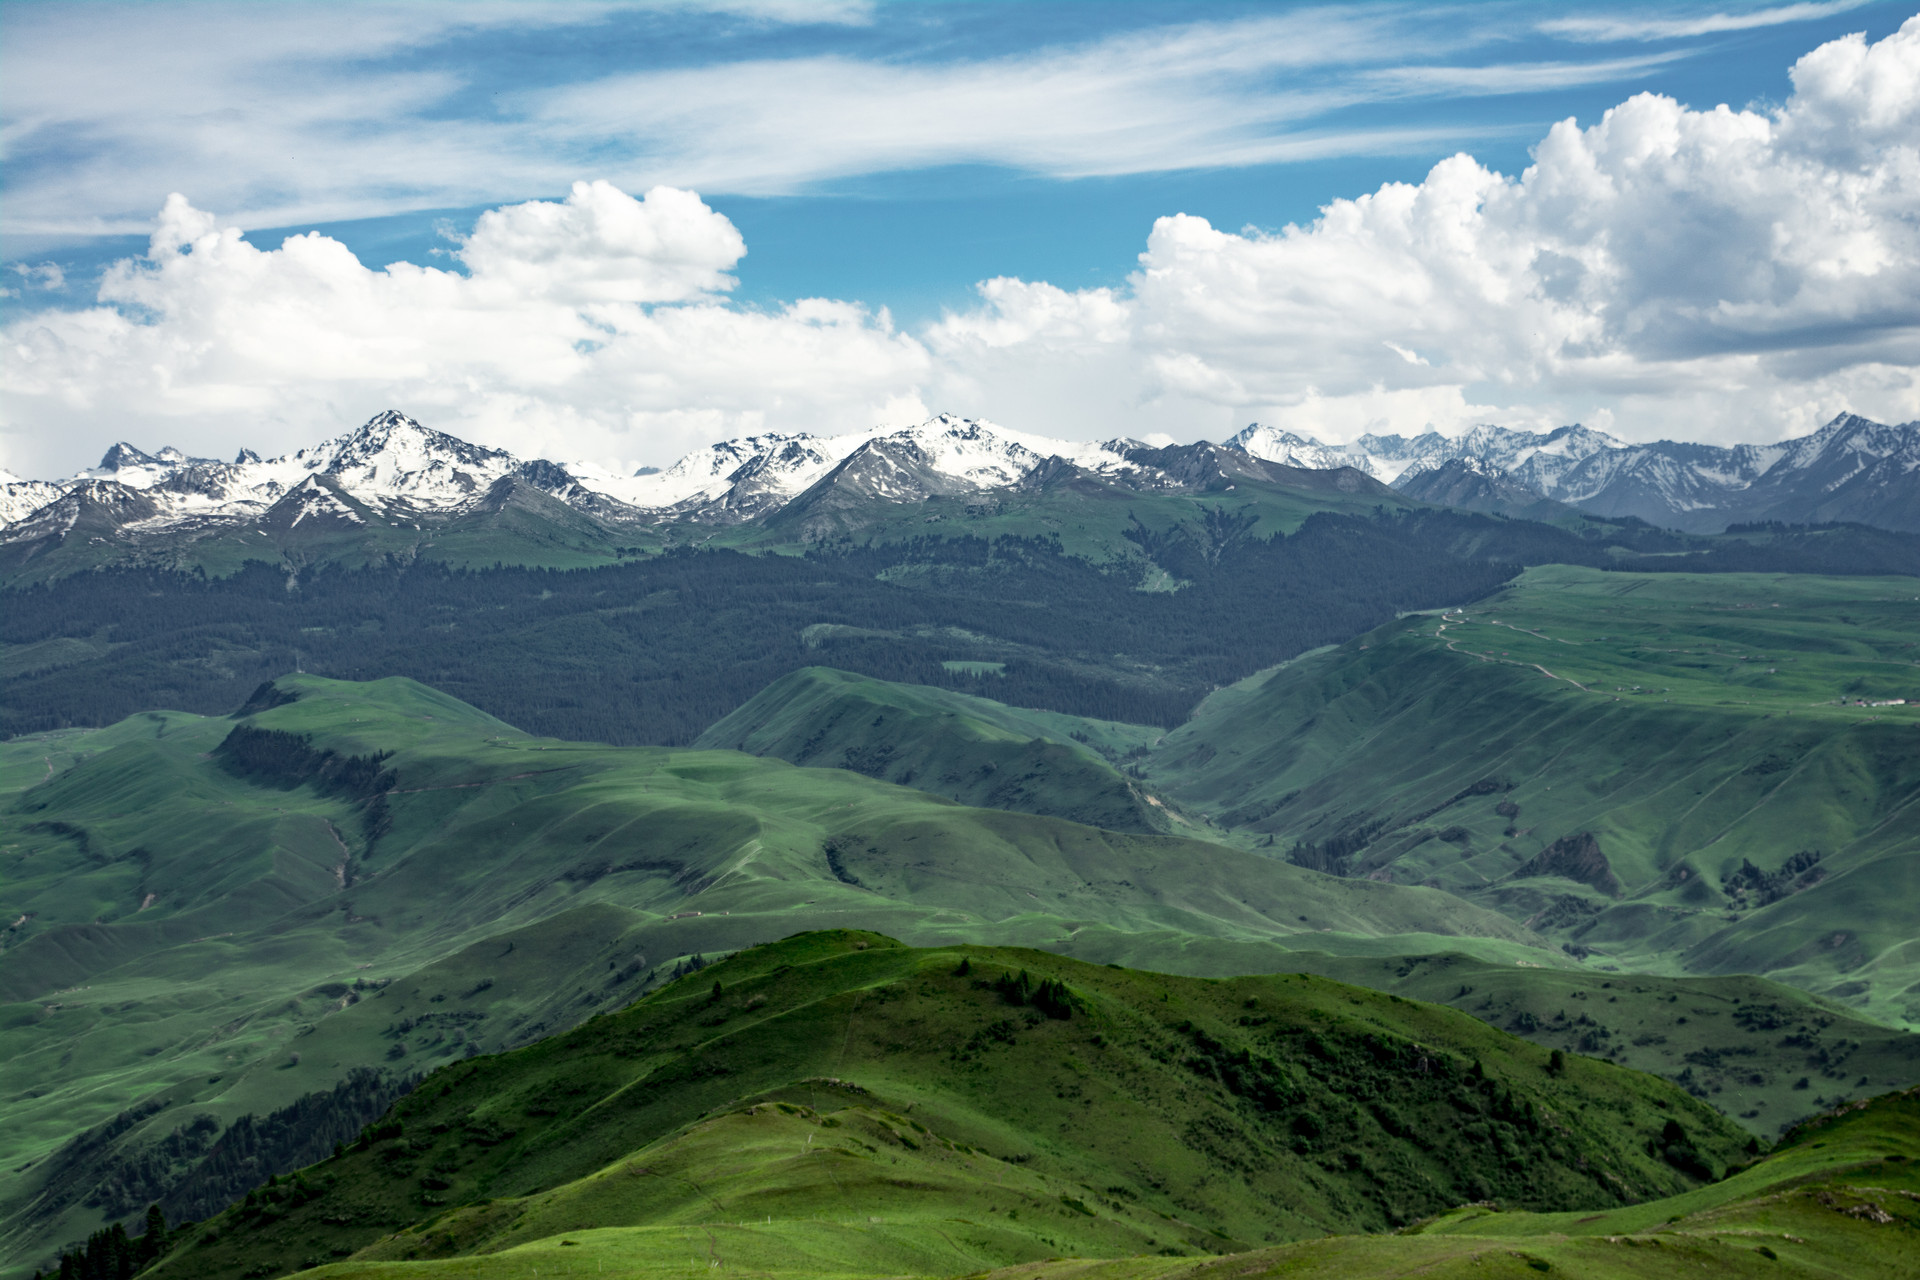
883,229
891,155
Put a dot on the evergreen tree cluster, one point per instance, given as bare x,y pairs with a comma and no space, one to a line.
287,760
1049,995
111,1254
256,1148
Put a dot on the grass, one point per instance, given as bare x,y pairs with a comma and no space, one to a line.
970,750
838,1080
1687,723
190,938
1840,1200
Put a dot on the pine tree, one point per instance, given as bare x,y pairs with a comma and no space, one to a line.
153,1242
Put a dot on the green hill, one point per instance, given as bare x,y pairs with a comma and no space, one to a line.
874,1107
1838,1200
1664,772
1762,1053
199,908
971,750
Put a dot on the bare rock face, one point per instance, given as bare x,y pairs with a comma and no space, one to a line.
1577,858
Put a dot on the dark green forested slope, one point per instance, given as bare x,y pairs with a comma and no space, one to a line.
1175,596
985,1107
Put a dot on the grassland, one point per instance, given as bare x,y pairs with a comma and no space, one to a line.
197,942
1842,1199
186,937
1702,730
971,750
888,1108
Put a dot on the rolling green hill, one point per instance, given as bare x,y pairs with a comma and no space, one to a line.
199,908
969,749
1765,1054
872,1108
1663,773
1668,773
1838,1200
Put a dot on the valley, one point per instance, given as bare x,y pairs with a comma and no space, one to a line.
1632,801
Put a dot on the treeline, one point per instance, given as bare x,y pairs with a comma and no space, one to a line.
111,1254
287,760
304,1132
655,650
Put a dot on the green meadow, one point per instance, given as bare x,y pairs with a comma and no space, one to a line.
1662,825
885,1107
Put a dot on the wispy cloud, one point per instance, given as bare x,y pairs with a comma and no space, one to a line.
286,114
1635,27
1519,77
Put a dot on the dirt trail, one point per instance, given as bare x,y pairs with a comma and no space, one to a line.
1453,646
463,786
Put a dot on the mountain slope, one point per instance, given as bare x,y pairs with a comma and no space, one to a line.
1851,469
1838,1201
967,749
199,906
1104,1109
1657,769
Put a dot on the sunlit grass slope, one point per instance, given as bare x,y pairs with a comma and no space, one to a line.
1688,724
981,1107
199,942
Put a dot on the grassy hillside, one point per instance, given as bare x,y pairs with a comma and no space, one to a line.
979,1107
1666,772
195,929
1765,1054
1839,1200
971,750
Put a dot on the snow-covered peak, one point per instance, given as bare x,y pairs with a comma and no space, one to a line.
743,477
393,467
775,463
122,455
1859,441
392,458
1275,444
21,498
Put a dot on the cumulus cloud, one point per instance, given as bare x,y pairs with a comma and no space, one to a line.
589,327
1702,274
1666,270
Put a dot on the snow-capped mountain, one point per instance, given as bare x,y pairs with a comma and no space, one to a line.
1536,457
1272,444
1850,469
394,471
20,498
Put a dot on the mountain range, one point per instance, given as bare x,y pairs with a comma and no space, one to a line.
396,470
1850,469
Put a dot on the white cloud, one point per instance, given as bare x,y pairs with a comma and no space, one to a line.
1702,274
285,114
1635,27
555,344
1518,77
1716,273
603,246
